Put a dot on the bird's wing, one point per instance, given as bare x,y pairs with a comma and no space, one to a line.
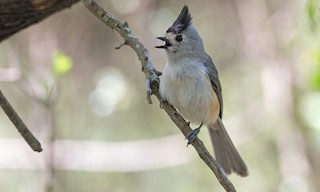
215,83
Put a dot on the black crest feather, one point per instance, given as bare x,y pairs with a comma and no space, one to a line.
182,22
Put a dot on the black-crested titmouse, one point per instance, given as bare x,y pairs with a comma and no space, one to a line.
190,83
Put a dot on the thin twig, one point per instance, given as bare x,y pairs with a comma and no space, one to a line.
16,120
122,44
152,86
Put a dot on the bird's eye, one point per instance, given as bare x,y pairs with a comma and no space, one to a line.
179,38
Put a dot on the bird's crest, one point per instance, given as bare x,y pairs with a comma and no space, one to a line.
182,22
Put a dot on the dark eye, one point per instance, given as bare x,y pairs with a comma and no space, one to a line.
179,38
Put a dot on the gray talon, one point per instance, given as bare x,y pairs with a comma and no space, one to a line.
161,103
192,135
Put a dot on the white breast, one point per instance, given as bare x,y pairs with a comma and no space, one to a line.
187,87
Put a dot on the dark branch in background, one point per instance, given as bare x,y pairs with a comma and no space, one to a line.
152,85
16,120
18,14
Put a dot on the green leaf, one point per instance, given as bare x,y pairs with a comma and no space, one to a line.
62,64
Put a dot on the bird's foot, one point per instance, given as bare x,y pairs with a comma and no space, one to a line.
162,101
192,135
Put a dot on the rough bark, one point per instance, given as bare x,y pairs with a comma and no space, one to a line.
16,15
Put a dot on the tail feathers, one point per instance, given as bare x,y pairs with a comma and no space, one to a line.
225,152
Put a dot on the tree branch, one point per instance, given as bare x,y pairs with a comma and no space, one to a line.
19,14
16,120
152,86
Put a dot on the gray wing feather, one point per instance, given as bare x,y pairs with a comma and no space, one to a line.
213,75
225,152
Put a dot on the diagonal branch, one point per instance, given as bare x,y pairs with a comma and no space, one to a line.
22,128
152,86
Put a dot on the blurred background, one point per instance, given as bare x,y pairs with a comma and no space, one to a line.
86,101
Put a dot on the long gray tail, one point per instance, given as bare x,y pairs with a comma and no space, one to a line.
225,152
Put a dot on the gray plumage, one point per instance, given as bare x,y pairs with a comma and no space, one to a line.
190,82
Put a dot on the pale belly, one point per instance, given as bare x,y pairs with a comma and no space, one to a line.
192,95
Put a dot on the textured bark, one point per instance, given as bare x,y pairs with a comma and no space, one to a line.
16,15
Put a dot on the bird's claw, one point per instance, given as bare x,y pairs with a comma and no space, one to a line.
162,101
155,78
192,135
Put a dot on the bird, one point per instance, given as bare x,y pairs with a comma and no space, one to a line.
191,84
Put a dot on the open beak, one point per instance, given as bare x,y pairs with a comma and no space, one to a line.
166,45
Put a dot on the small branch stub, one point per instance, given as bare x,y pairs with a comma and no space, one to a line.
124,43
